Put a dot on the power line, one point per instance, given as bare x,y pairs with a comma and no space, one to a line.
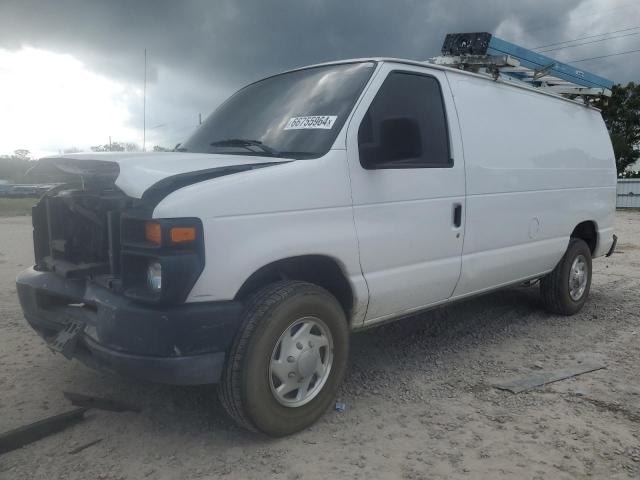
546,25
589,42
584,38
144,105
602,56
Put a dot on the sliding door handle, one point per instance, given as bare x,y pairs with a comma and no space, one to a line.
457,215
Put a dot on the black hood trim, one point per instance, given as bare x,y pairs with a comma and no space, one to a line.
159,190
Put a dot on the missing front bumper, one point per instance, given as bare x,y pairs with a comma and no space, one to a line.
182,344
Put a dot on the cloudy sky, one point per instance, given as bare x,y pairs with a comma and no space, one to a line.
71,71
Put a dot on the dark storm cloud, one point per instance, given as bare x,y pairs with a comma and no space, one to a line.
200,51
238,40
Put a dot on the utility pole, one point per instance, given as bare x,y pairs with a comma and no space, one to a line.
144,105
109,142
199,119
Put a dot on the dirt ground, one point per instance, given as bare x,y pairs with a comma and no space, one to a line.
419,400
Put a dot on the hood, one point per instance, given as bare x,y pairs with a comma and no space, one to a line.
136,173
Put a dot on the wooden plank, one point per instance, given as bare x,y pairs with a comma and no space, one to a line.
26,434
539,379
86,401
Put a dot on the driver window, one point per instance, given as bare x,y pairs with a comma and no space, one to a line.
405,126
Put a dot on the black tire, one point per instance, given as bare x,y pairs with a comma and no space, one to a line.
555,286
245,389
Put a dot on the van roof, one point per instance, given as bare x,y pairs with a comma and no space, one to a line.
429,65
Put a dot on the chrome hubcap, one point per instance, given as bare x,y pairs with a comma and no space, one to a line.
301,362
578,278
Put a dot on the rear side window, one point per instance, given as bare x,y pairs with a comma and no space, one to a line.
405,126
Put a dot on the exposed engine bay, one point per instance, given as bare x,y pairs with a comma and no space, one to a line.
97,226
89,231
78,231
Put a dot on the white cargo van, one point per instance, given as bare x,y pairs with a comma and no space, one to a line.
312,204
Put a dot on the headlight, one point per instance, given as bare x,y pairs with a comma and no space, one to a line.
154,276
160,259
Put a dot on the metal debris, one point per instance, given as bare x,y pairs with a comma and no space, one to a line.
26,434
86,401
542,378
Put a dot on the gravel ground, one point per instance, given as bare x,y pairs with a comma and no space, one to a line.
419,401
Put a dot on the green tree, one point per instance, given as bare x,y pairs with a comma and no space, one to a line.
116,147
109,147
22,154
13,167
621,113
72,150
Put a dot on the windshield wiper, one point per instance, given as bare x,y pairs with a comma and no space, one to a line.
242,142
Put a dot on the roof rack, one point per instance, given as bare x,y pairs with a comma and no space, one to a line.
484,53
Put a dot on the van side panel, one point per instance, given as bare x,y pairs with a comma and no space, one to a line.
536,166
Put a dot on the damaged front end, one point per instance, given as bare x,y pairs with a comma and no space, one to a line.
89,295
89,230
76,226
77,232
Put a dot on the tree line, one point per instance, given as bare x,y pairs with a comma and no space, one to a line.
621,114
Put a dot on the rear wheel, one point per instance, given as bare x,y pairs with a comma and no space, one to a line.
288,360
566,288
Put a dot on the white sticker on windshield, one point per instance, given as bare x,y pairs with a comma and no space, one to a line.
316,121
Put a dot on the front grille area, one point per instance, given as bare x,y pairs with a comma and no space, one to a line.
98,239
77,233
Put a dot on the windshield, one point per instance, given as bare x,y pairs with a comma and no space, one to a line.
293,115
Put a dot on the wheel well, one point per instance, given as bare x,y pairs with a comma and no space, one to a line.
317,269
587,232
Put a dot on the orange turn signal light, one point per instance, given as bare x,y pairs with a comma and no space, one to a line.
182,234
153,233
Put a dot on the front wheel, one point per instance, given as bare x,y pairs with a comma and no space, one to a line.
566,288
288,360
